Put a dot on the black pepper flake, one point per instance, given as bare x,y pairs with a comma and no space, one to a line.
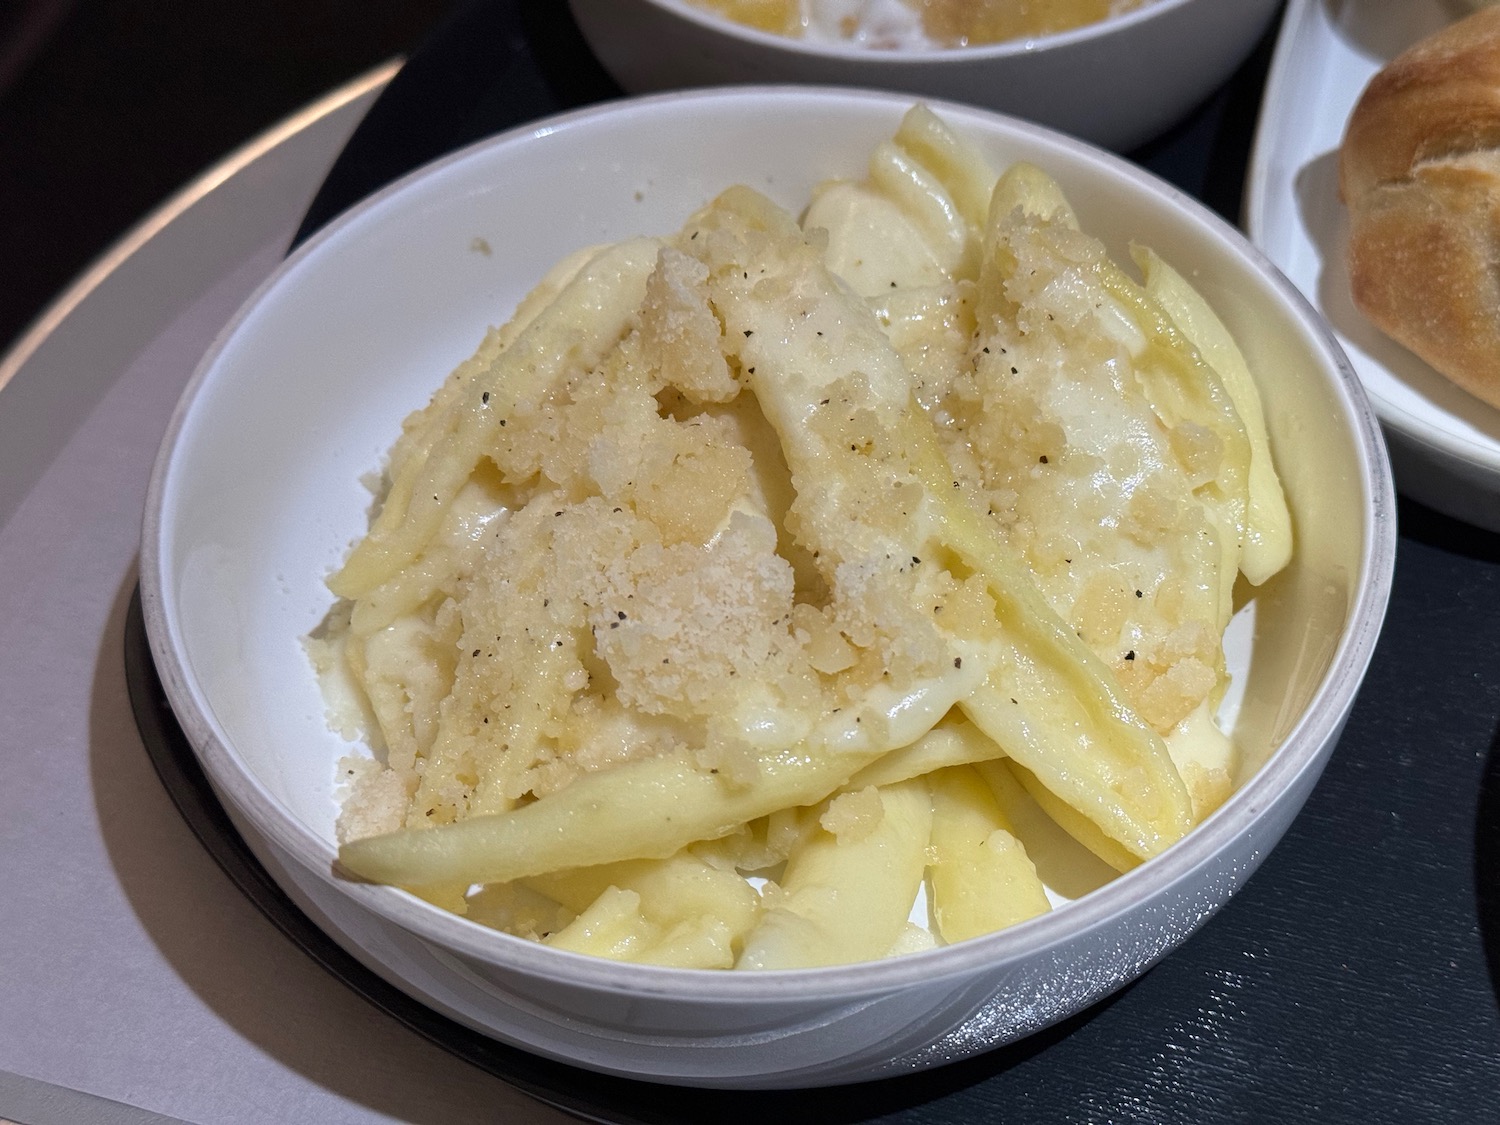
1130,655
1139,594
958,662
749,331
752,371
1013,699
474,653
502,421
620,613
1043,459
915,561
485,398
1015,370
985,350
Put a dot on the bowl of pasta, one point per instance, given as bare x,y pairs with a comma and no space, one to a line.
767,587
1021,58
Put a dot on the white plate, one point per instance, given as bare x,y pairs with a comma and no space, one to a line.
1445,444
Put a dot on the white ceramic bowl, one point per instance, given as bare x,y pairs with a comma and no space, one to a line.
1116,83
256,497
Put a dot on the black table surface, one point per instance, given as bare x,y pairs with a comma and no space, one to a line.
1353,979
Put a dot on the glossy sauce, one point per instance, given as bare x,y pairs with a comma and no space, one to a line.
898,24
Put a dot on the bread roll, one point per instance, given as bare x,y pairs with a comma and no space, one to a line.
1420,173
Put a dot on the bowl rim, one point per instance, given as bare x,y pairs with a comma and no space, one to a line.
713,22
1304,747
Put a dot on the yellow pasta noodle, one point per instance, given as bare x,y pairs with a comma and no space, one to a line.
696,599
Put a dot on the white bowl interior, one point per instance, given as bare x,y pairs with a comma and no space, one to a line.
258,495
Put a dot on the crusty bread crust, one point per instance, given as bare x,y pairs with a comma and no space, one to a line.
1419,171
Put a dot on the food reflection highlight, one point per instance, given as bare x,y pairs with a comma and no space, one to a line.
757,582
